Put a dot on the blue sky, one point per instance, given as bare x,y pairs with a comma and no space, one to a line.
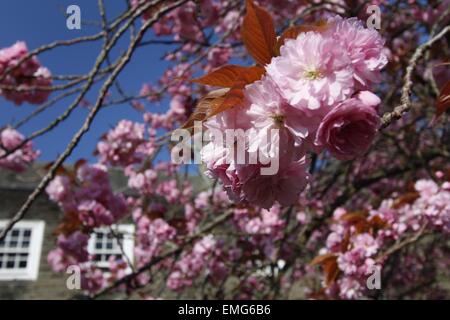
41,22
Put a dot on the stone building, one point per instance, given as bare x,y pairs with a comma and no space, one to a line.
24,271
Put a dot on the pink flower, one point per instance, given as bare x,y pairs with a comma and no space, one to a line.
283,187
93,213
349,261
75,245
217,57
426,188
190,266
350,288
277,126
364,47
92,279
89,195
124,145
25,78
59,188
366,242
220,165
58,261
71,250
10,57
269,222
204,246
18,160
143,181
334,241
220,159
312,71
348,130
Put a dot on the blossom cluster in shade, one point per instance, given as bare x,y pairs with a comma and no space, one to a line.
205,253
88,202
359,245
315,96
25,80
88,193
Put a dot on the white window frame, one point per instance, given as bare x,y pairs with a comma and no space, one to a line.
127,244
34,251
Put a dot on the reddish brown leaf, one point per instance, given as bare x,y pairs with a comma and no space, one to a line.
345,242
322,259
79,164
211,101
258,34
377,223
361,227
228,75
71,223
405,199
234,97
330,268
331,271
60,171
443,101
354,217
180,224
252,74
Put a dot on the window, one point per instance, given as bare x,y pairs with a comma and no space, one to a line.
20,251
117,242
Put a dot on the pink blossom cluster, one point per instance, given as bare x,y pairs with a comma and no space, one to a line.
431,208
27,79
70,250
186,25
314,97
125,145
12,159
359,244
204,256
179,21
87,201
89,194
148,181
265,222
261,227
151,235
181,103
